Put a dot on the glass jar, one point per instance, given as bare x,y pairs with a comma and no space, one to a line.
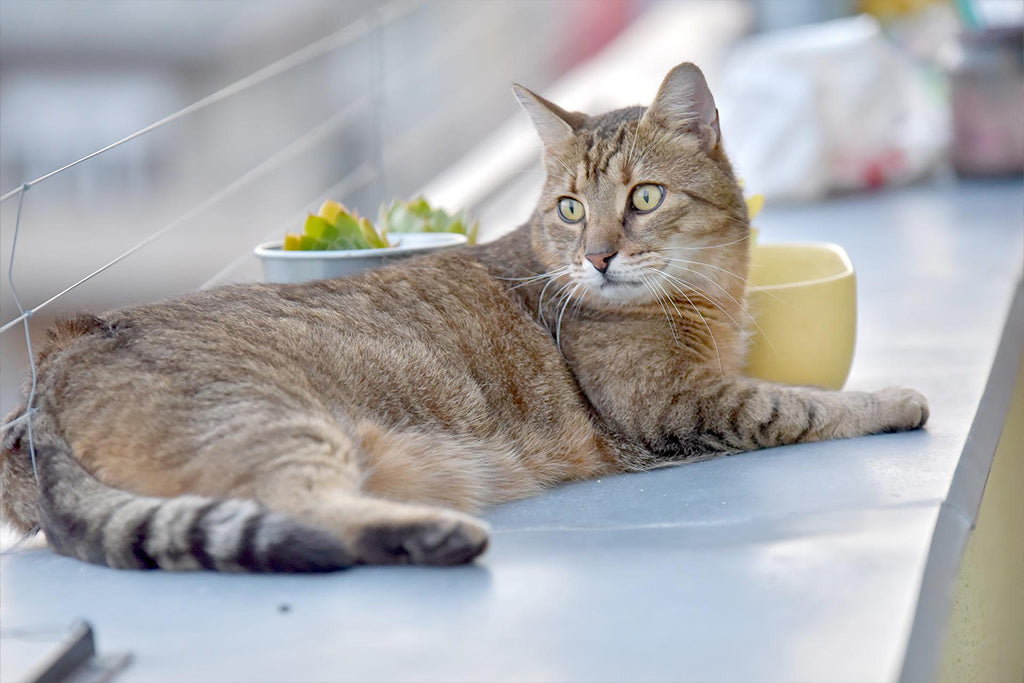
987,91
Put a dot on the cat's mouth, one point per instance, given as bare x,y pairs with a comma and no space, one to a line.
623,282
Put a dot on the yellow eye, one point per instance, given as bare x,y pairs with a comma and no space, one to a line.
647,197
571,210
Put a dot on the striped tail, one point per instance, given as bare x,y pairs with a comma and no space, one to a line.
86,519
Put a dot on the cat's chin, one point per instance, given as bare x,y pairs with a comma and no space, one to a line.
620,292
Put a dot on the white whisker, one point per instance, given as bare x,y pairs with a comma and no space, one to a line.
708,265
721,370
697,290
540,301
579,304
745,281
536,278
732,298
664,308
710,246
643,153
572,174
558,323
724,291
636,133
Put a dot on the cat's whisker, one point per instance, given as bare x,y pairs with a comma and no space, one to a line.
643,153
579,304
707,265
745,281
564,165
558,324
540,302
733,299
668,298
709,246
636,133
668,316
726,292
672,301
744,221
697,290
536,278
721,370
559,296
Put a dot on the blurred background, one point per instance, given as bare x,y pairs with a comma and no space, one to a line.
817,97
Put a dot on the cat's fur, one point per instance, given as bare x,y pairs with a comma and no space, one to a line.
316,426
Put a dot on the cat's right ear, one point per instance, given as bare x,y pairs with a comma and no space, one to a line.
555,125
684,103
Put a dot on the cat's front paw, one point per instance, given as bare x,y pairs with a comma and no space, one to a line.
902,409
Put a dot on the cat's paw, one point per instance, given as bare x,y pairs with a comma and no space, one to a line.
902,409
442,538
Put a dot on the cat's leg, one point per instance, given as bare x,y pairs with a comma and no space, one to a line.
311,469
732,415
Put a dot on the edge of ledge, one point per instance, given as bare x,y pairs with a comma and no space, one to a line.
959,512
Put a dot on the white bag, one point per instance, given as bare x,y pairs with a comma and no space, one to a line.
826,107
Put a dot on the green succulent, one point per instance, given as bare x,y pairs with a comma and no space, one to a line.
334,227
418,216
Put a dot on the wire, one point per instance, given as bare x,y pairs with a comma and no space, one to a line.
29,408
305,141
356,178
344,36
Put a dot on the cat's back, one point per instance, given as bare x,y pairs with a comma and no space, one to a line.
444,301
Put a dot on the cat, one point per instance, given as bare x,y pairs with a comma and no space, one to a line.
362,420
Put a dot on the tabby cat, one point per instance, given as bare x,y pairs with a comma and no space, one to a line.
308,428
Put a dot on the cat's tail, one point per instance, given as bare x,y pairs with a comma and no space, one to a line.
86,519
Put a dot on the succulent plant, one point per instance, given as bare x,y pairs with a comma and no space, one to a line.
335,227
418,216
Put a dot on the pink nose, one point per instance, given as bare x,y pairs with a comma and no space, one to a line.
600,261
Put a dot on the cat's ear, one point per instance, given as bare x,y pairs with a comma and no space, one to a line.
554,124
684,103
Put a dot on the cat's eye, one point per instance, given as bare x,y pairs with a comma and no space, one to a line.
570,210
647,197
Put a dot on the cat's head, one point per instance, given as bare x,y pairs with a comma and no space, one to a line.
640,202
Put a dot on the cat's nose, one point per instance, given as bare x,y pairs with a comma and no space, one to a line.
600,261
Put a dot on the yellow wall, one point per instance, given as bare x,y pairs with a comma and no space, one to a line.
985,639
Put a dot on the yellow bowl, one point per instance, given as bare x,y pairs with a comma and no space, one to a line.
804,299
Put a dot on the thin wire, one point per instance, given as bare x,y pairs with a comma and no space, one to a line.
305,141
29,408
377,87
17,420
344,36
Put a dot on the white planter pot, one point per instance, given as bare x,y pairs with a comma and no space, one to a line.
300,266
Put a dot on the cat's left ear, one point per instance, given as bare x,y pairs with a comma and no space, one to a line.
554,124
684,103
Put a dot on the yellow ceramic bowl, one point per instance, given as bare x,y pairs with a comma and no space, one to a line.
804,298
